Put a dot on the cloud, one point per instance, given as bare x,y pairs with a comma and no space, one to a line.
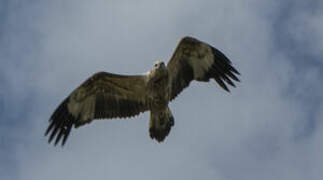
305,28
267,128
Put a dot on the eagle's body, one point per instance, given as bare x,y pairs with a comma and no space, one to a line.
106,95
158,86
161,118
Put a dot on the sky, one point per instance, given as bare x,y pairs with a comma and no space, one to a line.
268,127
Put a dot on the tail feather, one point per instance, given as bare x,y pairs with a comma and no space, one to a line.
160,124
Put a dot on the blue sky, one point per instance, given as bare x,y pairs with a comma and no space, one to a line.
269,127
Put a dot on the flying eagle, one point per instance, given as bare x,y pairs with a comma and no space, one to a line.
105,95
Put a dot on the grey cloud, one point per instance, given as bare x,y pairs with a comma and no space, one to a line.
251,133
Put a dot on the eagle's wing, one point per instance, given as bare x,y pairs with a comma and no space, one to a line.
196,60
104,95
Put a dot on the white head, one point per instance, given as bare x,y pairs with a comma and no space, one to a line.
159,64
159,70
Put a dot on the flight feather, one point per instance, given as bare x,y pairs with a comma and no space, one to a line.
196,60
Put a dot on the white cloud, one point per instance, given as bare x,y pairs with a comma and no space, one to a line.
247,134
306,27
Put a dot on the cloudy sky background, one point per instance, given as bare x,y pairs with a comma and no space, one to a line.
269,127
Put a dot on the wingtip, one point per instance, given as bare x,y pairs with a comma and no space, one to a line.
235,70
222,84
48,129
227,90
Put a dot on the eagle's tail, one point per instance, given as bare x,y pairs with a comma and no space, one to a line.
160,124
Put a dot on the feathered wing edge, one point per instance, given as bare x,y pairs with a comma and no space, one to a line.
196,60
61,123
102,96
222,70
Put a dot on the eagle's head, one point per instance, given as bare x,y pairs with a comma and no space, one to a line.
159,65
160,68
159,71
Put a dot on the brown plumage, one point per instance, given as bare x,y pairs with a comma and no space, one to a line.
106,95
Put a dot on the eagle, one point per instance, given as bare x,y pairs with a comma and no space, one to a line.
105,95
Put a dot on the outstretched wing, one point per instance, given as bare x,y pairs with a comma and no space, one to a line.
196,60
104,95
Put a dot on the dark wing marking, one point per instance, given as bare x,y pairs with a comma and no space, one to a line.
102,96
196,60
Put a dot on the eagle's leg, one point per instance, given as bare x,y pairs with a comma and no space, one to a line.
160,124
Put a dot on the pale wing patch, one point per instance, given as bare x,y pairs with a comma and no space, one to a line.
201,61
80,107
